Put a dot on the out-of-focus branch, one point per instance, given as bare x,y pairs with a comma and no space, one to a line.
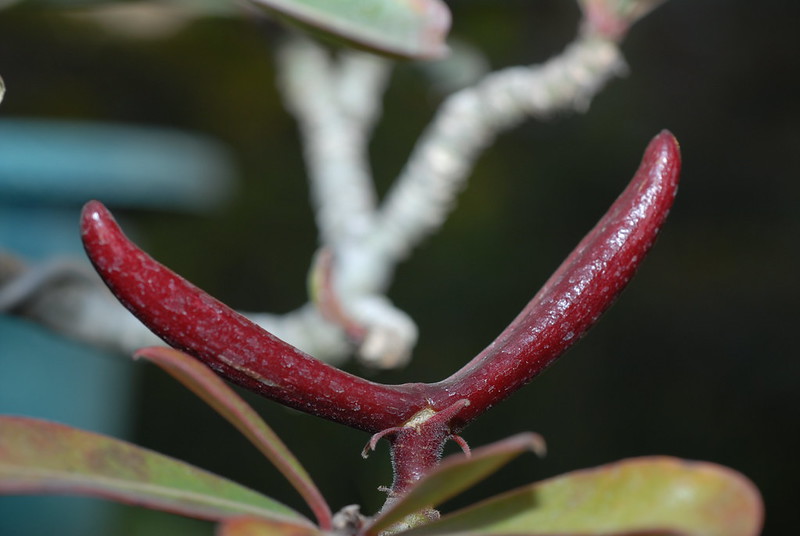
336,99
468,122
68,297
335,102
364,244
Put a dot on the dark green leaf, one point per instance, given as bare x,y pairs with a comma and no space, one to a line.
405,28
43,457
657,494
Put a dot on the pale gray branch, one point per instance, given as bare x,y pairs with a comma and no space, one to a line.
470,119
336,100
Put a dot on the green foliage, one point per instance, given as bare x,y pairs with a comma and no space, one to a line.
657,495
403,28
43,457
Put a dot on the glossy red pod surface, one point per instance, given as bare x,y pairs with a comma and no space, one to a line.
574,297
580,290
190,320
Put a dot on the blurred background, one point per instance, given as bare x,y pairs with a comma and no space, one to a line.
696,358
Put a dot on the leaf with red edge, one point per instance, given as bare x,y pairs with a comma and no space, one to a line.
658,494
249,526
202,381
39,457
455,474
613,18
404,28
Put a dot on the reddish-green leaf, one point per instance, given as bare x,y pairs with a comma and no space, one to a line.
404,28
202,381
455,474
658,494
249,526
612,18
42,457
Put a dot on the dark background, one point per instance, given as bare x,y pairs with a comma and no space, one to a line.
697,359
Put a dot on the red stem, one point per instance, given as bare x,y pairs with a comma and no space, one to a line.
570,302
416,448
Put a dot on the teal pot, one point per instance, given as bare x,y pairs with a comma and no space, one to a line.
47,171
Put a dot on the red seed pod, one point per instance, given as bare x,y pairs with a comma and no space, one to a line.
190,320
580,290
573,298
